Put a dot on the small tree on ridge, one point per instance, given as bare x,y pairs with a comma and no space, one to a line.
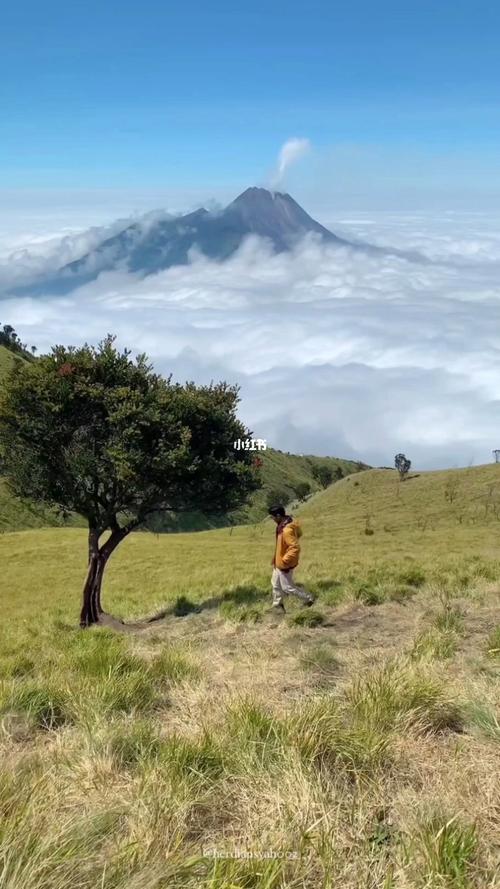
403,465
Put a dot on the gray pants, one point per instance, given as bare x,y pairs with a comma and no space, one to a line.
284,585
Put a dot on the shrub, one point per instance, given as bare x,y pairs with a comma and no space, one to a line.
323,475
277,497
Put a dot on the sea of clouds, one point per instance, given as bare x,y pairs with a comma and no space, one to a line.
336,351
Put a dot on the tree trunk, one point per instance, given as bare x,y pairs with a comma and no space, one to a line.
91,608
98,557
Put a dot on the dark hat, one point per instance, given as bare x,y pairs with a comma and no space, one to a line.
277,511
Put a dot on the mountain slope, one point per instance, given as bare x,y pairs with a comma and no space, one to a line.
148,246
448,512
8,360
281,472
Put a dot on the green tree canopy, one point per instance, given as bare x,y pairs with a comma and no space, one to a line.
91,431
403,465
323,475
302,490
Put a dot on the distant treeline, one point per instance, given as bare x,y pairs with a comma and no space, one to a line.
11,341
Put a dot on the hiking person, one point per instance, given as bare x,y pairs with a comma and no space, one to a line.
285,559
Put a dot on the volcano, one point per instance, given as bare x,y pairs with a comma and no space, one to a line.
156,243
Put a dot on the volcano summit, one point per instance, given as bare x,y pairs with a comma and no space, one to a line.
151,245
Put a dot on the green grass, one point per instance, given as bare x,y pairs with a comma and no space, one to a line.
447,848
309,617
366,750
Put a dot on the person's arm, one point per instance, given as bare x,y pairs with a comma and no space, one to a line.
292,548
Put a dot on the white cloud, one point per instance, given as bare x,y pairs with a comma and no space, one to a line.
336,351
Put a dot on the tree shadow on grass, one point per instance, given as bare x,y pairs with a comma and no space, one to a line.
239,595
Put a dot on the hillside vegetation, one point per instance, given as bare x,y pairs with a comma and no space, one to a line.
281,472
354,744
7,360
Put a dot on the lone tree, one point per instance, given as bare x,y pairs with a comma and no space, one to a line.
403,465
302,490
323,475
93,432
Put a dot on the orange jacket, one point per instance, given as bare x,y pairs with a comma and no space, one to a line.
287,550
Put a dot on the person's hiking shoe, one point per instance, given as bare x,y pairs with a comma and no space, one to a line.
277,609
308,602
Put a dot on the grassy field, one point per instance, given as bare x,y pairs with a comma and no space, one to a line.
355,744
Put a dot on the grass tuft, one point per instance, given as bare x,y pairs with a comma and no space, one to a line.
447,851
308,617
133,744
240,613
493,643
434,645
49,707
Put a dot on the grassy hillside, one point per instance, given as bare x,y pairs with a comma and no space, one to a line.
355,744
280,472
7,360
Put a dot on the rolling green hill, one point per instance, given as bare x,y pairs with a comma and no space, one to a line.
281,472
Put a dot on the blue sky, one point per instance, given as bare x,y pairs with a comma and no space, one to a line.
399,100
